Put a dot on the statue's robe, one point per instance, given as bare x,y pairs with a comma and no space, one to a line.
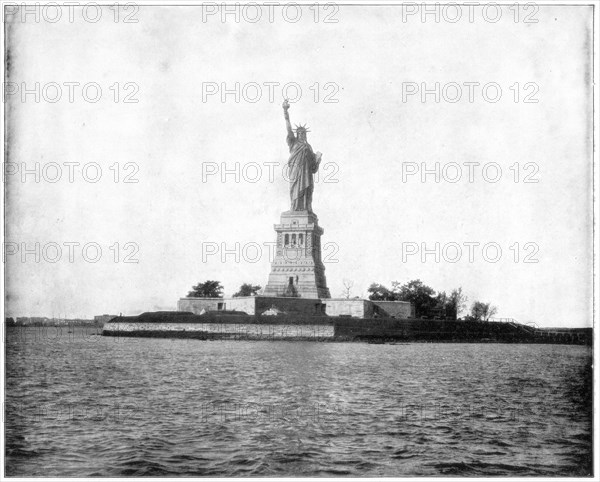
302,164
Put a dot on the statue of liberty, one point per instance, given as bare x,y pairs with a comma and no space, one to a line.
302,164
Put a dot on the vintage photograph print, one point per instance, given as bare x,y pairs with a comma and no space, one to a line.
299,240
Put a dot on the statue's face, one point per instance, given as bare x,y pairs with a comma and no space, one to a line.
301,135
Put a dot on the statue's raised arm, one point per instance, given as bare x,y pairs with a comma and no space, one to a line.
286,106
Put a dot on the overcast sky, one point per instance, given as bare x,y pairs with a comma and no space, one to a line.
360,82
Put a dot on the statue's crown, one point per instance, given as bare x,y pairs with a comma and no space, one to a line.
301,128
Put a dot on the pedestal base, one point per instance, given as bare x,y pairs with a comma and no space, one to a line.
297,270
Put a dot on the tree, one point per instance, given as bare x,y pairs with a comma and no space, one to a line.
459,301
247,289
348,284
380,293
208,289
482,311
419,294
443,305
451,305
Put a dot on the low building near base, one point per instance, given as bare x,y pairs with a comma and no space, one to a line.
272,305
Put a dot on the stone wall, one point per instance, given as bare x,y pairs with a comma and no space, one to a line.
243,303
348,307
251,305
360,308
198,305
228,331
310,328
305,306
393,309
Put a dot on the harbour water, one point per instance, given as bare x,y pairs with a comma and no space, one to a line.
78,404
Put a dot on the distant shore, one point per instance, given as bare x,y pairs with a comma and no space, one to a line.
325,328
35,321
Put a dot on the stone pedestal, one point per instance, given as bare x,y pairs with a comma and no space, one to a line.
297,270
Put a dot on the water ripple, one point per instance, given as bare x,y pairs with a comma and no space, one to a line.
108,407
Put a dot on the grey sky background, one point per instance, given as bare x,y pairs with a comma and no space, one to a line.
367,138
